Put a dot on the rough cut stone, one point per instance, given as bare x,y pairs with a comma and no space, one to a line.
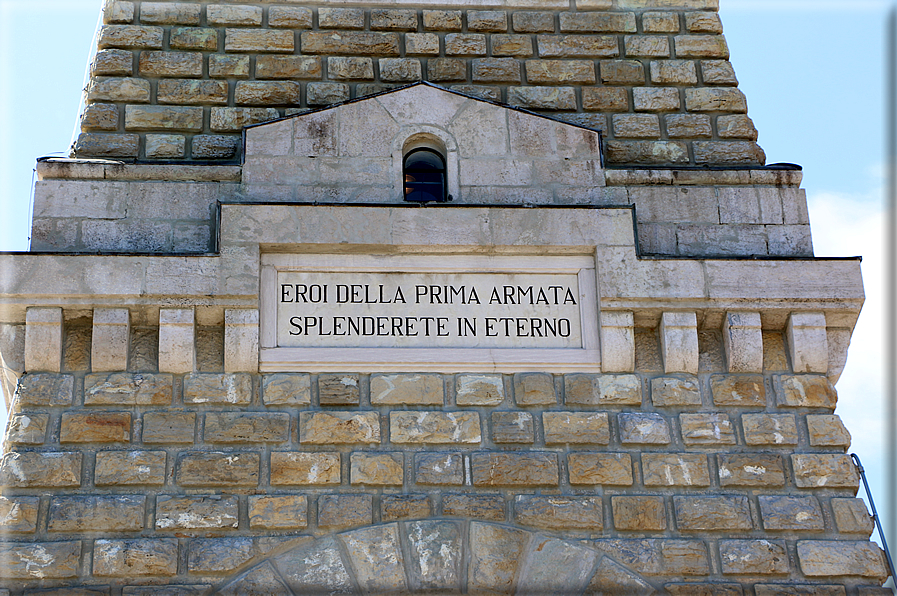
805,391
100,116
487,507
400,70
560,513
675,469
602,390
719,513
495,553
851,516
442,20
407,390
40,560
296,469
479,390
95,427
514,469
193,38
45,389
798,590
351,43
543,98
642,514
336,512
286,390
769,429
612,578
27,429
706,429
287,512
393,20
96,514
746,391
129,468
792,513
576,428
396,507
41,470
18,514
339,390
218,389
290,17
224,67
130,36
439,468
559,567
327,428
670,391
639,428
377,559
435,549
512,427
318,566
434,427
290,67
165,427
377,469
754,557
257,581
824,470
196,513
135,558
751,470
218,469
341,18
258,40
708,589
820,558
218,555
613,469
126,389
534,389
219,14
246,427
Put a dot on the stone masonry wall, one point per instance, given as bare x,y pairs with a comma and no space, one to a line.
639,483
178,80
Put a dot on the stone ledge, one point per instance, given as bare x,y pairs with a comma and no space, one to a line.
673,177
93,169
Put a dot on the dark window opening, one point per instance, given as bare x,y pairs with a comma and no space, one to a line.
424,172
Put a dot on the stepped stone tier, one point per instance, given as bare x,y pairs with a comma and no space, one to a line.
596,369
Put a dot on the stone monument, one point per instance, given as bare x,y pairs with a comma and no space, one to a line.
385,297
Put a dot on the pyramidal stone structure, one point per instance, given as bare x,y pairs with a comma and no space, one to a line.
456,297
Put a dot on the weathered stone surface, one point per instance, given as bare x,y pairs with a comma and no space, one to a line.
168,427
719,513
675,469
820,558
576,428
259,581
100,116
641,428
798,590
218,555
316,567
736,127
350,43
258,40
534,389
559,513
827,431
400,70
559,567
407,390
246,427
479,390
377,469
670,391
96,514
828,470
613,469
512,427
532,22
341,18
164,146
171,64
290,17
851,516
605,99
216,469
218,389
622,72
95,427
40,560
746,391
292,67
377,559
701,46
560,71
543,98
769,429
754,557
514,469
612,578
193,38
130,36
196,513
684,126
434,427
327,428
393,20
647,152
336,512
465,44
286,390
224,67
602,390
287,512
113,63
126,389
40,470
718,72
296,469
18,514
512,45
791,513
576,46
598,22
488,507
27,429
641,514
439,468
706,429
129,468
191,92
214,147
341,68
135,558
396,507
753,470
709,589
45,389
435,549
495,553
421,44
107,145
729,153
219,14
339,390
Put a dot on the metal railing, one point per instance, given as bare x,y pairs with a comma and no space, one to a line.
875,518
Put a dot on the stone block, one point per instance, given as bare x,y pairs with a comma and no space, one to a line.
704,589
219,14
262,579
495,70
40,470
611,469
479,390
532,22
435,427
234,119
377,559
560,513
610,577
18,514
559,566
736,127
130,36
341,18
309,569
128,389
439,469
512,427
40,560
675,469
135,558
95,427
113,63
487,507
597,22
617,327
225,67
807,342
602,390
827,431
285,389
512,45
744,391
442,20
323,94
798,590
647,152
706,429
340,68
560,71
805,391
196,513
718,72
107,145
191,92
258,40
218,555
717,513
688,126
751,470
214,147
193,38
290,17
421,44
703,22
851,516
350,43
211,469
241,340
701,46
435,549
743,341
644,429
397,507
246,427
495,553
130,468
674,392
100,116
465,44
514,469
729,153
639,514
488,21
578,46
656,99
118,12
377,469
799,514
164,147
404,389
300,469
827,558
679,342
177,352
96,514
769,429
709,99
534,389
328,428
576,428
393,20
43,339
339,390
824,470
218,389
490,93
622,72
296,67
754,557
647,46
171,64
337,512
45,389
543,98
27,429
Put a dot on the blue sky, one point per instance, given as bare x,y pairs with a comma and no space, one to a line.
812,71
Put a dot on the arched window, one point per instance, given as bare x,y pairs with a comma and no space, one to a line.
424,172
